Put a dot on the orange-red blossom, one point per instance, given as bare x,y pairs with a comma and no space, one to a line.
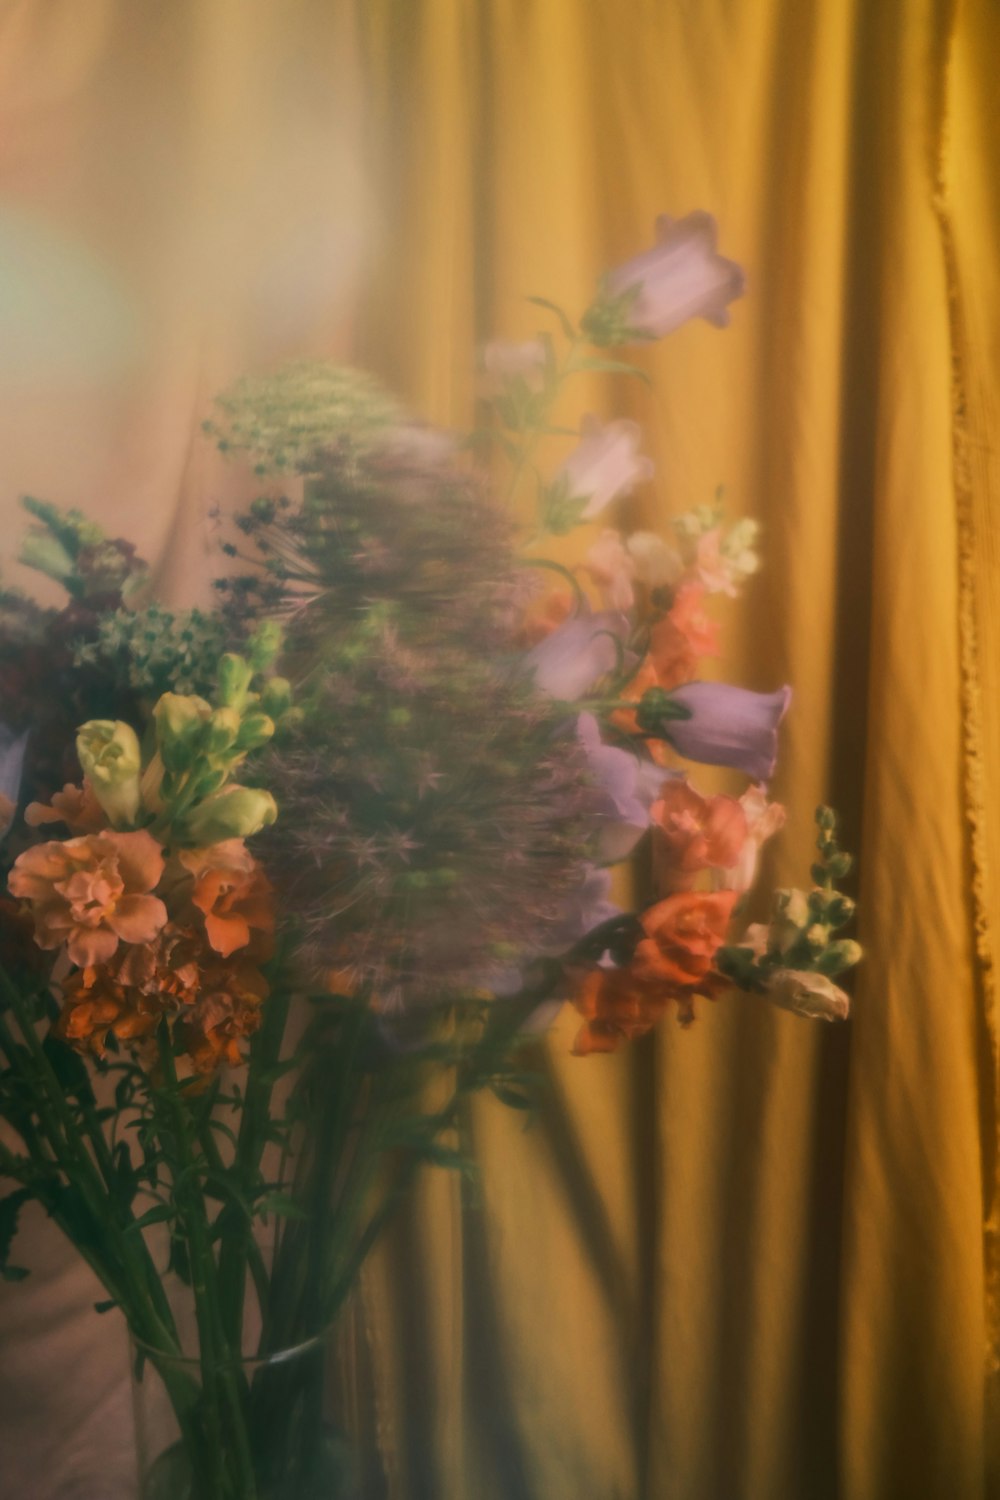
671,964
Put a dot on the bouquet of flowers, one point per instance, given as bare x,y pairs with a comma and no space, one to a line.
273,866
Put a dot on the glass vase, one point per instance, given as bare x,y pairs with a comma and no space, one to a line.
238,1428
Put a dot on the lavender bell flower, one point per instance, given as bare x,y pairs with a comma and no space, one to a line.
680,278
570,660
729,726
624,794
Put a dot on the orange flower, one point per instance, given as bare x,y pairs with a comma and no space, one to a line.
211,1004
232,893
695,833
226,1011
671,965
92,892
683,933
75,806
616,1006
688,617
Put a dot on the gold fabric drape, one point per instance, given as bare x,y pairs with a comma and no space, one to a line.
746,1261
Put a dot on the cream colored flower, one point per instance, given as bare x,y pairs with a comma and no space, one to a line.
807,994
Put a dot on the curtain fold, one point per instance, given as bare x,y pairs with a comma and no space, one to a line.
747,1260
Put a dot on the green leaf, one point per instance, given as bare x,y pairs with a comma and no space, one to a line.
159,1214
104,1307
282,1205
553,307
69,1068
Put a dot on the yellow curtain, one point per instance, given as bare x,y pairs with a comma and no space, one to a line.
745,1261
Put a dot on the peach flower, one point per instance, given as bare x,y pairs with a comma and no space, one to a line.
695,833
763,820
232,893
92,892
75,806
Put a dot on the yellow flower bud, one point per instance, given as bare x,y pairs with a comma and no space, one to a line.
112,762
235,812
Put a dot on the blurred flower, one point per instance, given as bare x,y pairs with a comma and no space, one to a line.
656,564
612,569
12,748
694,833
723,565
585,906
91,892
570,660
621,806
616,1007
604,466
503,361
807,994
687,615
763,819
729,726
232,893
682,277
112,761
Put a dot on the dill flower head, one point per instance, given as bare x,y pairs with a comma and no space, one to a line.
282,420
434,804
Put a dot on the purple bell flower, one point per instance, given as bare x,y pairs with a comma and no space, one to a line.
729,726
568,662
624,793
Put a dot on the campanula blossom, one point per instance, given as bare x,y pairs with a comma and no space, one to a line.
680,278
729,726
573,657
605,465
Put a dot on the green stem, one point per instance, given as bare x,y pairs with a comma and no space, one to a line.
218,1362
537,428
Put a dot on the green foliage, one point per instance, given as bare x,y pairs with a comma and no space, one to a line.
154,651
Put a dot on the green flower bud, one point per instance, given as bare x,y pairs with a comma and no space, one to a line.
255,730
235,812
235,674
840,909
112,761
276,697
840,955
264,645
180,723
44,552
223,729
